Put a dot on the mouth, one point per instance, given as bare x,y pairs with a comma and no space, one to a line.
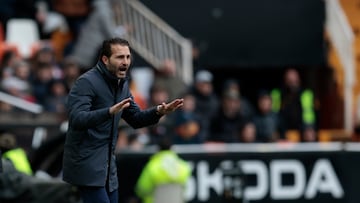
121,72
122,69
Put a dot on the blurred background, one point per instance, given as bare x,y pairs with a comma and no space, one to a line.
258,77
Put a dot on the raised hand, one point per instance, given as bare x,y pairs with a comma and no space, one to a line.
116,108
166,108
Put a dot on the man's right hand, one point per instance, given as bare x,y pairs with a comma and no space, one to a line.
116,108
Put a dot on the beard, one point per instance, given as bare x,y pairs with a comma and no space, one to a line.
119,72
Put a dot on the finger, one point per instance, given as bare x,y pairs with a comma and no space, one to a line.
124,102
177,102
126,105
175,105
127,100
178,106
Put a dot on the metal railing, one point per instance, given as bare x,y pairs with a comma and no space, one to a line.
342,37
21,103
153,39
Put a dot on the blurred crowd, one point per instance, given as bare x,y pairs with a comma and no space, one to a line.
70,34
67,49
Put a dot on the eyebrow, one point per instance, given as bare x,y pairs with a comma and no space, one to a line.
123,55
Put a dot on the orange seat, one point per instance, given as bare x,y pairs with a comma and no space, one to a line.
293,136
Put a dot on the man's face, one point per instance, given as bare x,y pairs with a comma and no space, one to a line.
119,61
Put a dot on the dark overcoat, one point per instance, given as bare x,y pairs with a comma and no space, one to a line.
92,129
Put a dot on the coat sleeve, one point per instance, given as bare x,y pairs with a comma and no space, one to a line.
81,115
138,118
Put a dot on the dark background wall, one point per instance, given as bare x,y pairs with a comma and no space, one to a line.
249,32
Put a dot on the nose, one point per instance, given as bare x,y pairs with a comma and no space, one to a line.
126,61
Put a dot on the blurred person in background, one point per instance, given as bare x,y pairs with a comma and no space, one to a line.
224,126
295,105
75,12
248,133
206,101
17,155
99,25
96,103
187,129
167,76
308,134
18,84
159,94
46,55
164,169
247,108
71,72
41,82
8,60
16,186
128,139
56,99
265,120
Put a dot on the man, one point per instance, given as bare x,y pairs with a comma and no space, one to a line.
206,101
96,103
14,153
294,104
164,177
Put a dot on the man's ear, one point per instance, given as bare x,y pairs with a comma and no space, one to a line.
105,60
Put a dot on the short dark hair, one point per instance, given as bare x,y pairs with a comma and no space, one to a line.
164,142
106,46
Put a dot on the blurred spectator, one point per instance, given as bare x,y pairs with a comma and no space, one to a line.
71,72
296,105
167,77
247,109
75,12
16,186
18,84
224,126
46,55
248,133
158,95
42,81
55,100
14,153
206,102
187,128
164,176
266,121
130,139
54,27
99,25
308,134
7,63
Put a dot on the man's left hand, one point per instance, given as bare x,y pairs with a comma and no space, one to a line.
166,108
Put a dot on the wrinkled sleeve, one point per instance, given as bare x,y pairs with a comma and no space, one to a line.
138,118
79,104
